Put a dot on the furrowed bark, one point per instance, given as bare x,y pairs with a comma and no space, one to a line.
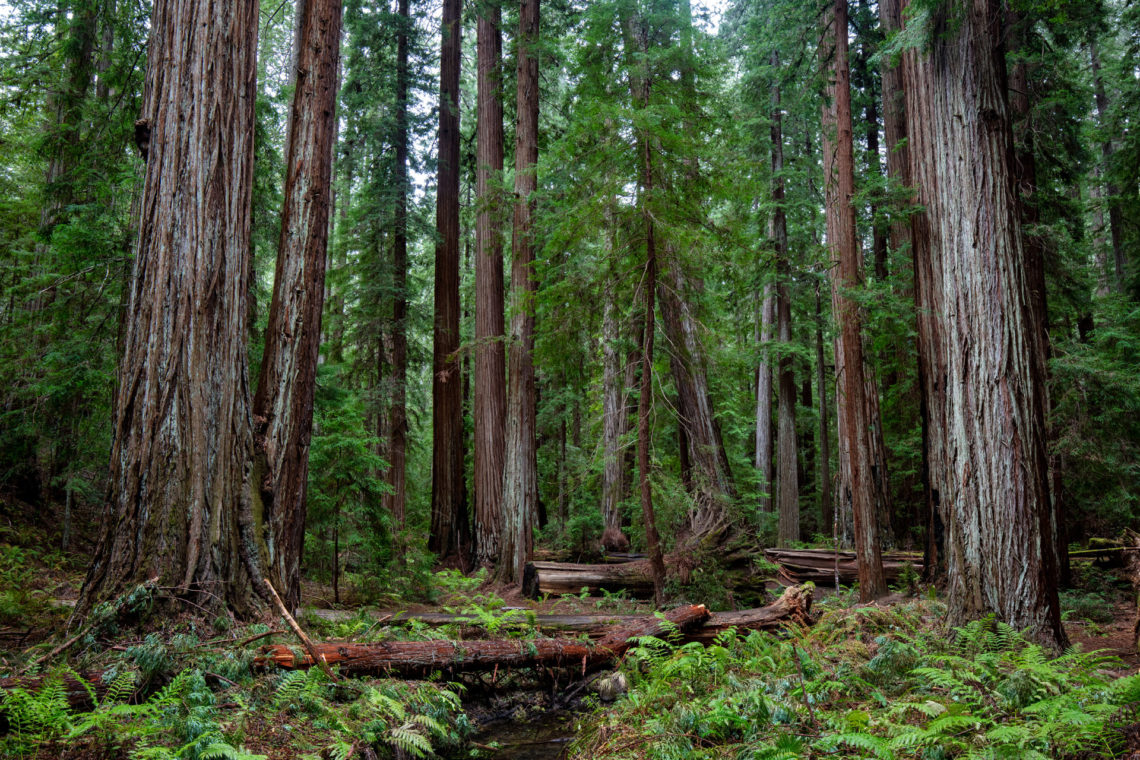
987,398
856,458
179,502
520,477
490,362
283,404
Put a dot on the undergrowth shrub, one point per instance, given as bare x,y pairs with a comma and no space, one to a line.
868,683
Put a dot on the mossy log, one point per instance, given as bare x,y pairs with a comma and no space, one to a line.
420,658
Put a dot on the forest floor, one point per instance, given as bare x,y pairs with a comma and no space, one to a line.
203,696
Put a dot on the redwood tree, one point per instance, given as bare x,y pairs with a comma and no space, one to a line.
490,393
449,527
987,397
283,405
520,478
179,504
855,425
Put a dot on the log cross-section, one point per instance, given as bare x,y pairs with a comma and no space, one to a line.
417,658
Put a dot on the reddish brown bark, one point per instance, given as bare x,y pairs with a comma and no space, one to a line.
179,505
986,396
490,363
855,444
449,526
520,478
283,405
421,658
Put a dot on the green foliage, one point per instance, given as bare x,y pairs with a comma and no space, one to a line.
345,513
908,692
186,720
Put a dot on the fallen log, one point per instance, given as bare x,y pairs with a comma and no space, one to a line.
419,658
594,626
819,565
792,608
570,578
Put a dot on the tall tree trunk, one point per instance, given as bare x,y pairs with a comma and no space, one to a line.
490,366
395,501
988,397
283,405
763,454
855,446
788,527
448,514
637,48
179,503
520,479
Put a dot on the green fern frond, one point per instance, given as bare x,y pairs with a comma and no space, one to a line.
406,738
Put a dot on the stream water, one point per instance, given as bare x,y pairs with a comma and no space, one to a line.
544,737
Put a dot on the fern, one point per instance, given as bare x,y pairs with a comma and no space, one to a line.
408,739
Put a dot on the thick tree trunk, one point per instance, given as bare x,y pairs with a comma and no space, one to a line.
396,501
987,399
449,527
179,503
490,361
856,456
788,490
283,405
763,452
520,478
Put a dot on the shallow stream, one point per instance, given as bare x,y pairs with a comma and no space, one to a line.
542,737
